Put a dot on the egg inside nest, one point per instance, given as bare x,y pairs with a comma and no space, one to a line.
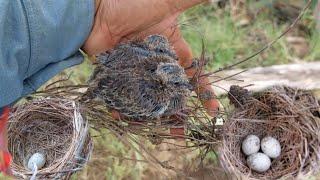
290,115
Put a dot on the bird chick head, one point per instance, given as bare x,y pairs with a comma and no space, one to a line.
160,45
173,74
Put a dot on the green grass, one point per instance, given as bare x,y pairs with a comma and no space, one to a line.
315,47
109,160
226,43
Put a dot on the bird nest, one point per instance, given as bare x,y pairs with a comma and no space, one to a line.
54,127
144,82
290,115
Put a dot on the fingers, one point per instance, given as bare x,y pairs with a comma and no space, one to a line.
115,114
207,96
115,19
182,49
182,5
165,28
136,16
203,89
168,28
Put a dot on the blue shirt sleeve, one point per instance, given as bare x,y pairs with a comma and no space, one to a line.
38,39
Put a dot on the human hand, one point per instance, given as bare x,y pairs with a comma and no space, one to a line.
121,20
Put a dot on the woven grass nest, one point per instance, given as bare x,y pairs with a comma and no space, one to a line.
290,115
54,127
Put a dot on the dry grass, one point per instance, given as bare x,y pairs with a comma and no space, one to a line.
54,127
291,116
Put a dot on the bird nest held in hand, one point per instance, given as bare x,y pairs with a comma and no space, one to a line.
54,127
144,82
290,115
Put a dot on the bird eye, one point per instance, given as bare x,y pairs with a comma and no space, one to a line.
162,49
152,70
168,69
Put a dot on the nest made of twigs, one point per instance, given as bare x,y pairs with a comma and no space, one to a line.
291,116
54,127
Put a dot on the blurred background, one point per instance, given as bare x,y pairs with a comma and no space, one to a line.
231,31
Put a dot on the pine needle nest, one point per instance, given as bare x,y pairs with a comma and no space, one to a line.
54,127
290,115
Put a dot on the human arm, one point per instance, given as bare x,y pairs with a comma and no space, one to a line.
39,38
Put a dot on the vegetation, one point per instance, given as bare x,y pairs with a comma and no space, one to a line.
225,43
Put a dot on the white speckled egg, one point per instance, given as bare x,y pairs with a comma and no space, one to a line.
250,145
259,162
271,147
38,159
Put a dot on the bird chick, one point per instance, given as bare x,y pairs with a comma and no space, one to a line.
140,79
